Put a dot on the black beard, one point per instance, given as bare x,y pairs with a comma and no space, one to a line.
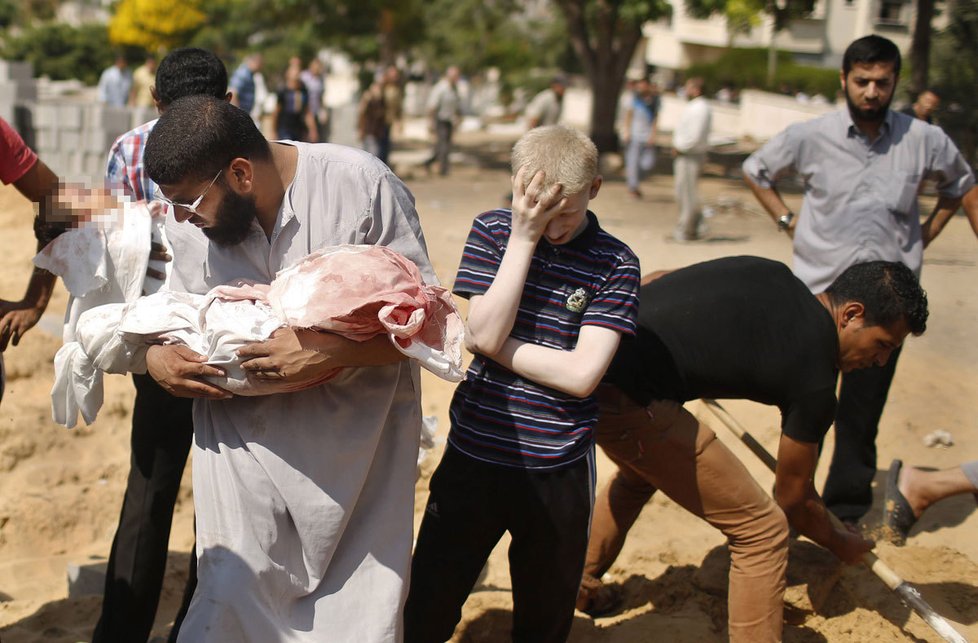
867,115
233,219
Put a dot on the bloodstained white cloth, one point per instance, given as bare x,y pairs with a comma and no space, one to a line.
357,291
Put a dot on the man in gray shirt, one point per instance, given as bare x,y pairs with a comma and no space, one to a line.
862,168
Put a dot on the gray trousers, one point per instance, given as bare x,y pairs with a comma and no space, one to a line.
686,169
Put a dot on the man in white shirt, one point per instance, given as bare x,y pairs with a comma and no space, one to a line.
690,143
304,500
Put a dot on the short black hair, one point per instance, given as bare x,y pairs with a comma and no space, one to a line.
888,291
190,71
198,136
871,49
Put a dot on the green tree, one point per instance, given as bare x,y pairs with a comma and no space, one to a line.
61,51
954,74
920,45
605,34
782,12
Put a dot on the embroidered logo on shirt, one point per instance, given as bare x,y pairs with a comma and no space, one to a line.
577,301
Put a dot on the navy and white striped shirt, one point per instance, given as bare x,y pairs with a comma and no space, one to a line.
498,416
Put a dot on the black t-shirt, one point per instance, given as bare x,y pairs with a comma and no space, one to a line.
737,328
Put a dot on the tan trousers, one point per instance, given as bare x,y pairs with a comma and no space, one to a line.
665,447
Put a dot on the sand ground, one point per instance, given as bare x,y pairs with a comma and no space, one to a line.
60,490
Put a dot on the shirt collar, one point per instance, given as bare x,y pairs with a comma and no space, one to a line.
885,128
586,238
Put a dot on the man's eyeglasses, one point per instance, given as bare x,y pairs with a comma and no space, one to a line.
189,207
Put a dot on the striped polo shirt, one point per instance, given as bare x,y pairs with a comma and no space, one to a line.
500,417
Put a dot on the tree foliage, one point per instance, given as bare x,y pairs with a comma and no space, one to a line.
782,11
747,68
605,34
954,74
61,51
155,25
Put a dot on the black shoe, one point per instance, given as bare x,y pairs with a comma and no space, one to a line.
898,517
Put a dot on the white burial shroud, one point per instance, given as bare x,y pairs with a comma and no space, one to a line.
358,292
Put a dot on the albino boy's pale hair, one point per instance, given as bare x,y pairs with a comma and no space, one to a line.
566,155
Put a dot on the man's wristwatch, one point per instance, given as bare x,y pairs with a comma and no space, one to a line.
784,221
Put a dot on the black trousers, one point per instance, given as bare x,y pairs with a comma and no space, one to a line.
162,432
848,488
470,505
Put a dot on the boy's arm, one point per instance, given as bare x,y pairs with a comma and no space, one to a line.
491,315
575,372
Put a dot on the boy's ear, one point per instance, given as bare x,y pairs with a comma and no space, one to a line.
595,186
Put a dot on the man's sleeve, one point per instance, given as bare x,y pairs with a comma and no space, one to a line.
774,160
953,173
480,261
15,157
615,305
395,224
117,170
808,419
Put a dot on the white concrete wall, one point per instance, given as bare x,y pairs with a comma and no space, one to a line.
759,115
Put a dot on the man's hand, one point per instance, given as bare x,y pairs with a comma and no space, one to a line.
290,356
849,545
16,318
534,207
177,369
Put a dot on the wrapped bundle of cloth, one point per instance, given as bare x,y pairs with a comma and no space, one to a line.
358,292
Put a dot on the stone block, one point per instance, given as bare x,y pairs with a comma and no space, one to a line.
46,116
70,139
70,116
95,165
141,115
47,140
108,117
86,579
19,90
7,112
98,141
14,70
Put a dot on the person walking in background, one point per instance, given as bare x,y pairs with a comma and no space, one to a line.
444,113
924,107
393,111
862,167
293,120
115,83
548,105
690,142
315,84
641,126
242,83
372,118
143,79
162,426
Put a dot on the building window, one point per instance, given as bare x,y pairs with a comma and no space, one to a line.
893,12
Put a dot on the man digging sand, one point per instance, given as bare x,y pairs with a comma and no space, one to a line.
739,328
